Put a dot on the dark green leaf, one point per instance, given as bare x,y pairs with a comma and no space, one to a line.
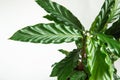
79,43
109,13
65,67
47,33
78,75
60,13
64,52
114,30
52,18
116,77
112,44
115,11
99,63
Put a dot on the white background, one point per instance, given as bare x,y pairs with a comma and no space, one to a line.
28,61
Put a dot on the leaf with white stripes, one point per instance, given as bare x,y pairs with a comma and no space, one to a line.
60,13
98,60
47,33
112,44
109,13
115,11
114,30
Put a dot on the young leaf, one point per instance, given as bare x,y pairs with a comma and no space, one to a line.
78,75
114,30
60,13
64,52
99,62
102,18
64,68
112,44
47,33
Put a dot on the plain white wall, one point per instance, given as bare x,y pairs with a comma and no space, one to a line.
28,61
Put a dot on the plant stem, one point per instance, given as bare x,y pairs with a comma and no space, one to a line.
83,52
81,64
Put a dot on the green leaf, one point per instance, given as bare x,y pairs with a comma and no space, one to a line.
115,11
79,43
47,33
112,44
114,30
78,75
101,20
60,13
116,77
64,52
65,67
99,63
52,18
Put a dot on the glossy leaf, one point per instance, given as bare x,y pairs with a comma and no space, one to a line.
109,13
114,30
78,75
99,63
59,13
115,12
101,20
97,49
65,67
112,44
47,33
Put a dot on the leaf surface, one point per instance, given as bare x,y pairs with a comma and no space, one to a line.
114,30
112,44
65,67
59,13
115,11
78,75
47,33
109,13
52,18
99,63
100,21
64,52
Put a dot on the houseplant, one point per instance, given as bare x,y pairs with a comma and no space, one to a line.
97,49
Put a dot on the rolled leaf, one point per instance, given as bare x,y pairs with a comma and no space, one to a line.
47,33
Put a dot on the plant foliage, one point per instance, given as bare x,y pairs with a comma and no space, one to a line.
47,33
97,49
66,66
